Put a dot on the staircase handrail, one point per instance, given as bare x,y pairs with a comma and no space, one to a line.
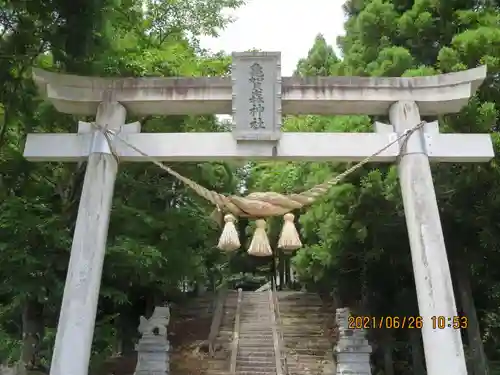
279,324
218,313
236,334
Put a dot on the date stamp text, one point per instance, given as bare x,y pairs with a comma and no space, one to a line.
406,322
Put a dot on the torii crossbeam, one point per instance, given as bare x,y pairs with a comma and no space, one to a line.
257,97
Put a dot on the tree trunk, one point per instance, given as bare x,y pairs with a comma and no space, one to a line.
286,271
281,268
127,332
273,272
416,352
33,330
479,360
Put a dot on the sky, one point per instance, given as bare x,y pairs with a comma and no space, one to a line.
287,26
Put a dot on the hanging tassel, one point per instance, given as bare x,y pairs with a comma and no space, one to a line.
289,238
259,246
229,239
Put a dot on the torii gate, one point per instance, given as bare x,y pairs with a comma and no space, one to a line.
256,96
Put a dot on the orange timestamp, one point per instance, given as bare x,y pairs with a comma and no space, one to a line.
386,322
455,322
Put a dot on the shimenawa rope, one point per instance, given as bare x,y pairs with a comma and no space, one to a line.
259,205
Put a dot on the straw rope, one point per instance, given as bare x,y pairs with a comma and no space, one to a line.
259,204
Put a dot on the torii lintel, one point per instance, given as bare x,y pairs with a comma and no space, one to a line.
434,95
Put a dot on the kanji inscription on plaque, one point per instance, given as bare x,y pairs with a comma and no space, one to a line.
257,98
256,84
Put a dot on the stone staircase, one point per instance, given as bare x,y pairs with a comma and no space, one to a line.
256,345
200,313
306,325
303,326
218,364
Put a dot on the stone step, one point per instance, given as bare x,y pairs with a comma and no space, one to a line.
313,308
305,317
256,346
305,342
260,311
312,320
250,369
299,323
299,344
299,305
262,346
309,359
255,313
258,361
255,329
297,295
256,323
263,336
297,333
252,326
255,306
309,350
271,366
257,319
257,339
256,366
256,352
300,302
305,314
319,329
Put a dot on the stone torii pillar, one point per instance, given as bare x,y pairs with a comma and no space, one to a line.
81,292
430,262
257,95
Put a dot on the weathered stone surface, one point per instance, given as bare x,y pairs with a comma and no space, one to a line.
445,93
256,94
153,348
352,350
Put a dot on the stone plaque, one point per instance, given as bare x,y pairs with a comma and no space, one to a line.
256,84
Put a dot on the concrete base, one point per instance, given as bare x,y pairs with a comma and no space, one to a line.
352,350
153,356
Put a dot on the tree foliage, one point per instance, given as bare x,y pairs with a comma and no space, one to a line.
160,236
355,239
356,244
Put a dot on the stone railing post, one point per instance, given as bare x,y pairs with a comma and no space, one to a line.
352,350
153,348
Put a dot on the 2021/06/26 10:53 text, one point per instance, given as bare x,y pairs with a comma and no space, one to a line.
408,322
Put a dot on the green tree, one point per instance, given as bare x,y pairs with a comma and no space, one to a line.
148,251
355,238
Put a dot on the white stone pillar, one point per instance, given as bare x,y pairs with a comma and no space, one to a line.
81,292
443,348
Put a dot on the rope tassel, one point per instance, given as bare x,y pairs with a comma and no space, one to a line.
229,239
267,204
289,238
260,246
